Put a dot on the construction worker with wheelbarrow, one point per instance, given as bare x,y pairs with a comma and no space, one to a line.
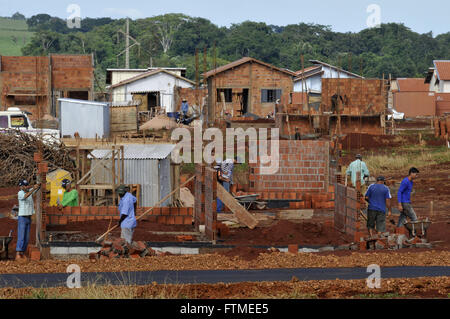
404,198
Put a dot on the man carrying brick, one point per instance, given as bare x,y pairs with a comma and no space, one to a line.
127,214
358,166
26,210
404,198
379,197
70,197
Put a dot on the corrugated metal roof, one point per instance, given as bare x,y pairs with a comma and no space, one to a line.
140,151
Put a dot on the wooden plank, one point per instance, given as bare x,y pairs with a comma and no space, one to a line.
295,214
240,212
95,187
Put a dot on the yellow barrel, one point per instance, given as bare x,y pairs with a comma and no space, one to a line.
54,181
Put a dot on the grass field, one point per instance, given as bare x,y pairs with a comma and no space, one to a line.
14,35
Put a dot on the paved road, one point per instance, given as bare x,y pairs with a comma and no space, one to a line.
217,276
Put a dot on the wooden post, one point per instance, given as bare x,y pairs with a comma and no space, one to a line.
122,151
113,173
432,209
176,180
38,212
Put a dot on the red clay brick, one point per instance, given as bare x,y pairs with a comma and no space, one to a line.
187,220
293,249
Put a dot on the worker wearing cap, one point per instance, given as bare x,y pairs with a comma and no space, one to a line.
225,177
26,210
70,196
184,107
127,215
358,166
379,197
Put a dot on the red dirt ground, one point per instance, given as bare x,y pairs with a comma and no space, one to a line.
365,142
287,233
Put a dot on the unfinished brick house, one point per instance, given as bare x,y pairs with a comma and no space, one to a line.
34,83
346,106
247,86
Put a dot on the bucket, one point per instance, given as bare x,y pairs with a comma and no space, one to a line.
175,115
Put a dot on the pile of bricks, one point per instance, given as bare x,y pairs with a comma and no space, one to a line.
119,248
392,242
160,215
442,127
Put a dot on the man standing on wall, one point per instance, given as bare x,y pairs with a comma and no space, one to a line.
379,197
404,198
127,221
26,210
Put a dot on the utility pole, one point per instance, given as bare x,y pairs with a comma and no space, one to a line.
127,44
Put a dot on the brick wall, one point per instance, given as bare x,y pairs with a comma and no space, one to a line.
161,215
358,95
254,77
346,216
31,75
303,169
72,72
191,95
210,209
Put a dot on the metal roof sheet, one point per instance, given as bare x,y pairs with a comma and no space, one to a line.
141,151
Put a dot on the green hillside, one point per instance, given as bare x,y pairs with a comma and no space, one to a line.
14,35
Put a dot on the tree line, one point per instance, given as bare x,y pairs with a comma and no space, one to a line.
171,40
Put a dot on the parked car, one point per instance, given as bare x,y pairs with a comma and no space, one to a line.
15,119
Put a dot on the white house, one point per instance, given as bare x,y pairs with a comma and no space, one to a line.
439,77
157,85
313,76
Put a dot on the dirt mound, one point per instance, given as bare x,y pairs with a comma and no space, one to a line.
286,232
245,253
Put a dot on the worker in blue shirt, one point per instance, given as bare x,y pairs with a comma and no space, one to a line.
379,197
404,198
127,213
184,108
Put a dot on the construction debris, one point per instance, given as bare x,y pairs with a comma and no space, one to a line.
16,155
119,248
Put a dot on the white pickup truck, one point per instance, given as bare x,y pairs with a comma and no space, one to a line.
15,119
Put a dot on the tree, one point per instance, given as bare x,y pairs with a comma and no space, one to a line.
166,26
18,16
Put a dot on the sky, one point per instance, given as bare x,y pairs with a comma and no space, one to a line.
342,15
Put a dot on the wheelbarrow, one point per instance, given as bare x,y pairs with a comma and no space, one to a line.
4,244
248,200
418,228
